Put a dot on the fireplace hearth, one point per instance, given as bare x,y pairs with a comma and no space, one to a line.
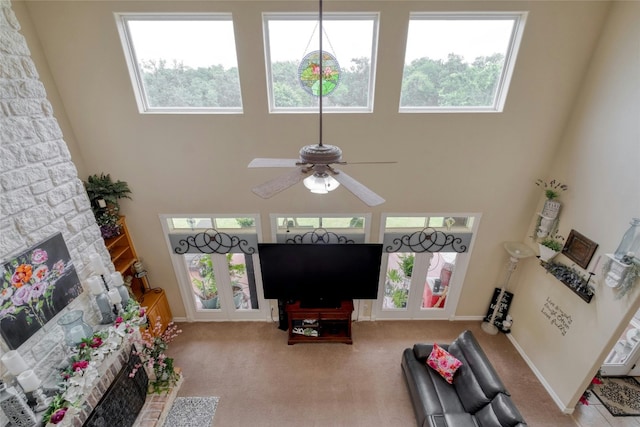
123,400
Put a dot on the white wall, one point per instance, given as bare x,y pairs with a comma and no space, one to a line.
599,159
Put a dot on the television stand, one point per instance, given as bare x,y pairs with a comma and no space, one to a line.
319,324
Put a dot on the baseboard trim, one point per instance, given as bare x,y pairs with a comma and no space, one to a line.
538,374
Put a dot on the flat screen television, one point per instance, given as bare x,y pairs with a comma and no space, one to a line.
320,274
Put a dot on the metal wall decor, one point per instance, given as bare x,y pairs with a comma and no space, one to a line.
319,235
427,240
579,249
212,241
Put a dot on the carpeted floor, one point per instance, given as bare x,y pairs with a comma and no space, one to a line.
263,382
621,396
191,412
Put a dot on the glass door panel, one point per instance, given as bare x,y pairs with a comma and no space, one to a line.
398,281
438,280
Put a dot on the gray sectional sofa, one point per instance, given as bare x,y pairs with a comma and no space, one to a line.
477,397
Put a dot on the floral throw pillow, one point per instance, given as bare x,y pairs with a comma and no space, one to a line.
443,363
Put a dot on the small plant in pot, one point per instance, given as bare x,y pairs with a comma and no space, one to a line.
104,195
550,247
206,287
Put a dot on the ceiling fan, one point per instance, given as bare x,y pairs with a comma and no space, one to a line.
315,164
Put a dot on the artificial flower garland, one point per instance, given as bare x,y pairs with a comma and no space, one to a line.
83,370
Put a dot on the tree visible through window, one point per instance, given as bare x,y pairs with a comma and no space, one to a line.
459,61
182,62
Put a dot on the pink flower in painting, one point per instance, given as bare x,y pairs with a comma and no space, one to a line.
6,293
41,272
21,296
315,69
7,311
39,256
38,289
59,267
327,72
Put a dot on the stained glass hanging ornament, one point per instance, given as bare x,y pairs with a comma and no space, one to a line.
319,75
309,73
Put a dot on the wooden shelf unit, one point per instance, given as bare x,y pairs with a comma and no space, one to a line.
331,324
123,256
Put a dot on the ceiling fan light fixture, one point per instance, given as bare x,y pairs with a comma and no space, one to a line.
321,183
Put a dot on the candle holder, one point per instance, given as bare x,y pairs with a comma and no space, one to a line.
32,386
15,407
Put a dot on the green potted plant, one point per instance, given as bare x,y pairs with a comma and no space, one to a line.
207,286
406,265
104,195
399,297
550,246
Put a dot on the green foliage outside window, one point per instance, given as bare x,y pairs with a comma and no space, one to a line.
426,83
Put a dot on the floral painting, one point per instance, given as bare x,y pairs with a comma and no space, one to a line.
36,285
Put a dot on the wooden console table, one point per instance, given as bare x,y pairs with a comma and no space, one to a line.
313,325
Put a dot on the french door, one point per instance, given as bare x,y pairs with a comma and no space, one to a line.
424,265
214,259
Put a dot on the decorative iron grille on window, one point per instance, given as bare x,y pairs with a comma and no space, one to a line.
212,241
321,236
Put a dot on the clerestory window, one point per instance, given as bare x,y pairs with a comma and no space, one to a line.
459,62
182,63
292,44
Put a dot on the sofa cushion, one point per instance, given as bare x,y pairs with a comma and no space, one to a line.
476,381
443,363
501,411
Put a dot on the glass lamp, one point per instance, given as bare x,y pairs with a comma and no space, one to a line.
321,183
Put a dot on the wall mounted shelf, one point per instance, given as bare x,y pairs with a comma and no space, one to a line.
571,279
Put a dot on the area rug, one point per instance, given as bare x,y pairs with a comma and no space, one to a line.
191,412
620,395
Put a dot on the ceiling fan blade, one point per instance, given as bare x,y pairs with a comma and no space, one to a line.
273,163
368,163
357,188
280,183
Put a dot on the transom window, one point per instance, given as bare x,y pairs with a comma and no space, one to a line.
182,63
349,43
459,61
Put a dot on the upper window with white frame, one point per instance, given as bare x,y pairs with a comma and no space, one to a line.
460,62
182,63
349,44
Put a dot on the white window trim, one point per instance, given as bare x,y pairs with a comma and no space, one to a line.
509,60
132,61
346,16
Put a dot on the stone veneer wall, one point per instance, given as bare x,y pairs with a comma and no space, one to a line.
40,191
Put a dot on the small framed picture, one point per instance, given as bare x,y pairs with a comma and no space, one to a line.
579,249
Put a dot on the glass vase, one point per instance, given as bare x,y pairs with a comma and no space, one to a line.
74,327
630,243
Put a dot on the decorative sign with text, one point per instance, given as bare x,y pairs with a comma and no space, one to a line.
503,307
556,316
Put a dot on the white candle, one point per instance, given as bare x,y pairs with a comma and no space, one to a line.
96,263
29,380
94,285
14,362
116,279
114,296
